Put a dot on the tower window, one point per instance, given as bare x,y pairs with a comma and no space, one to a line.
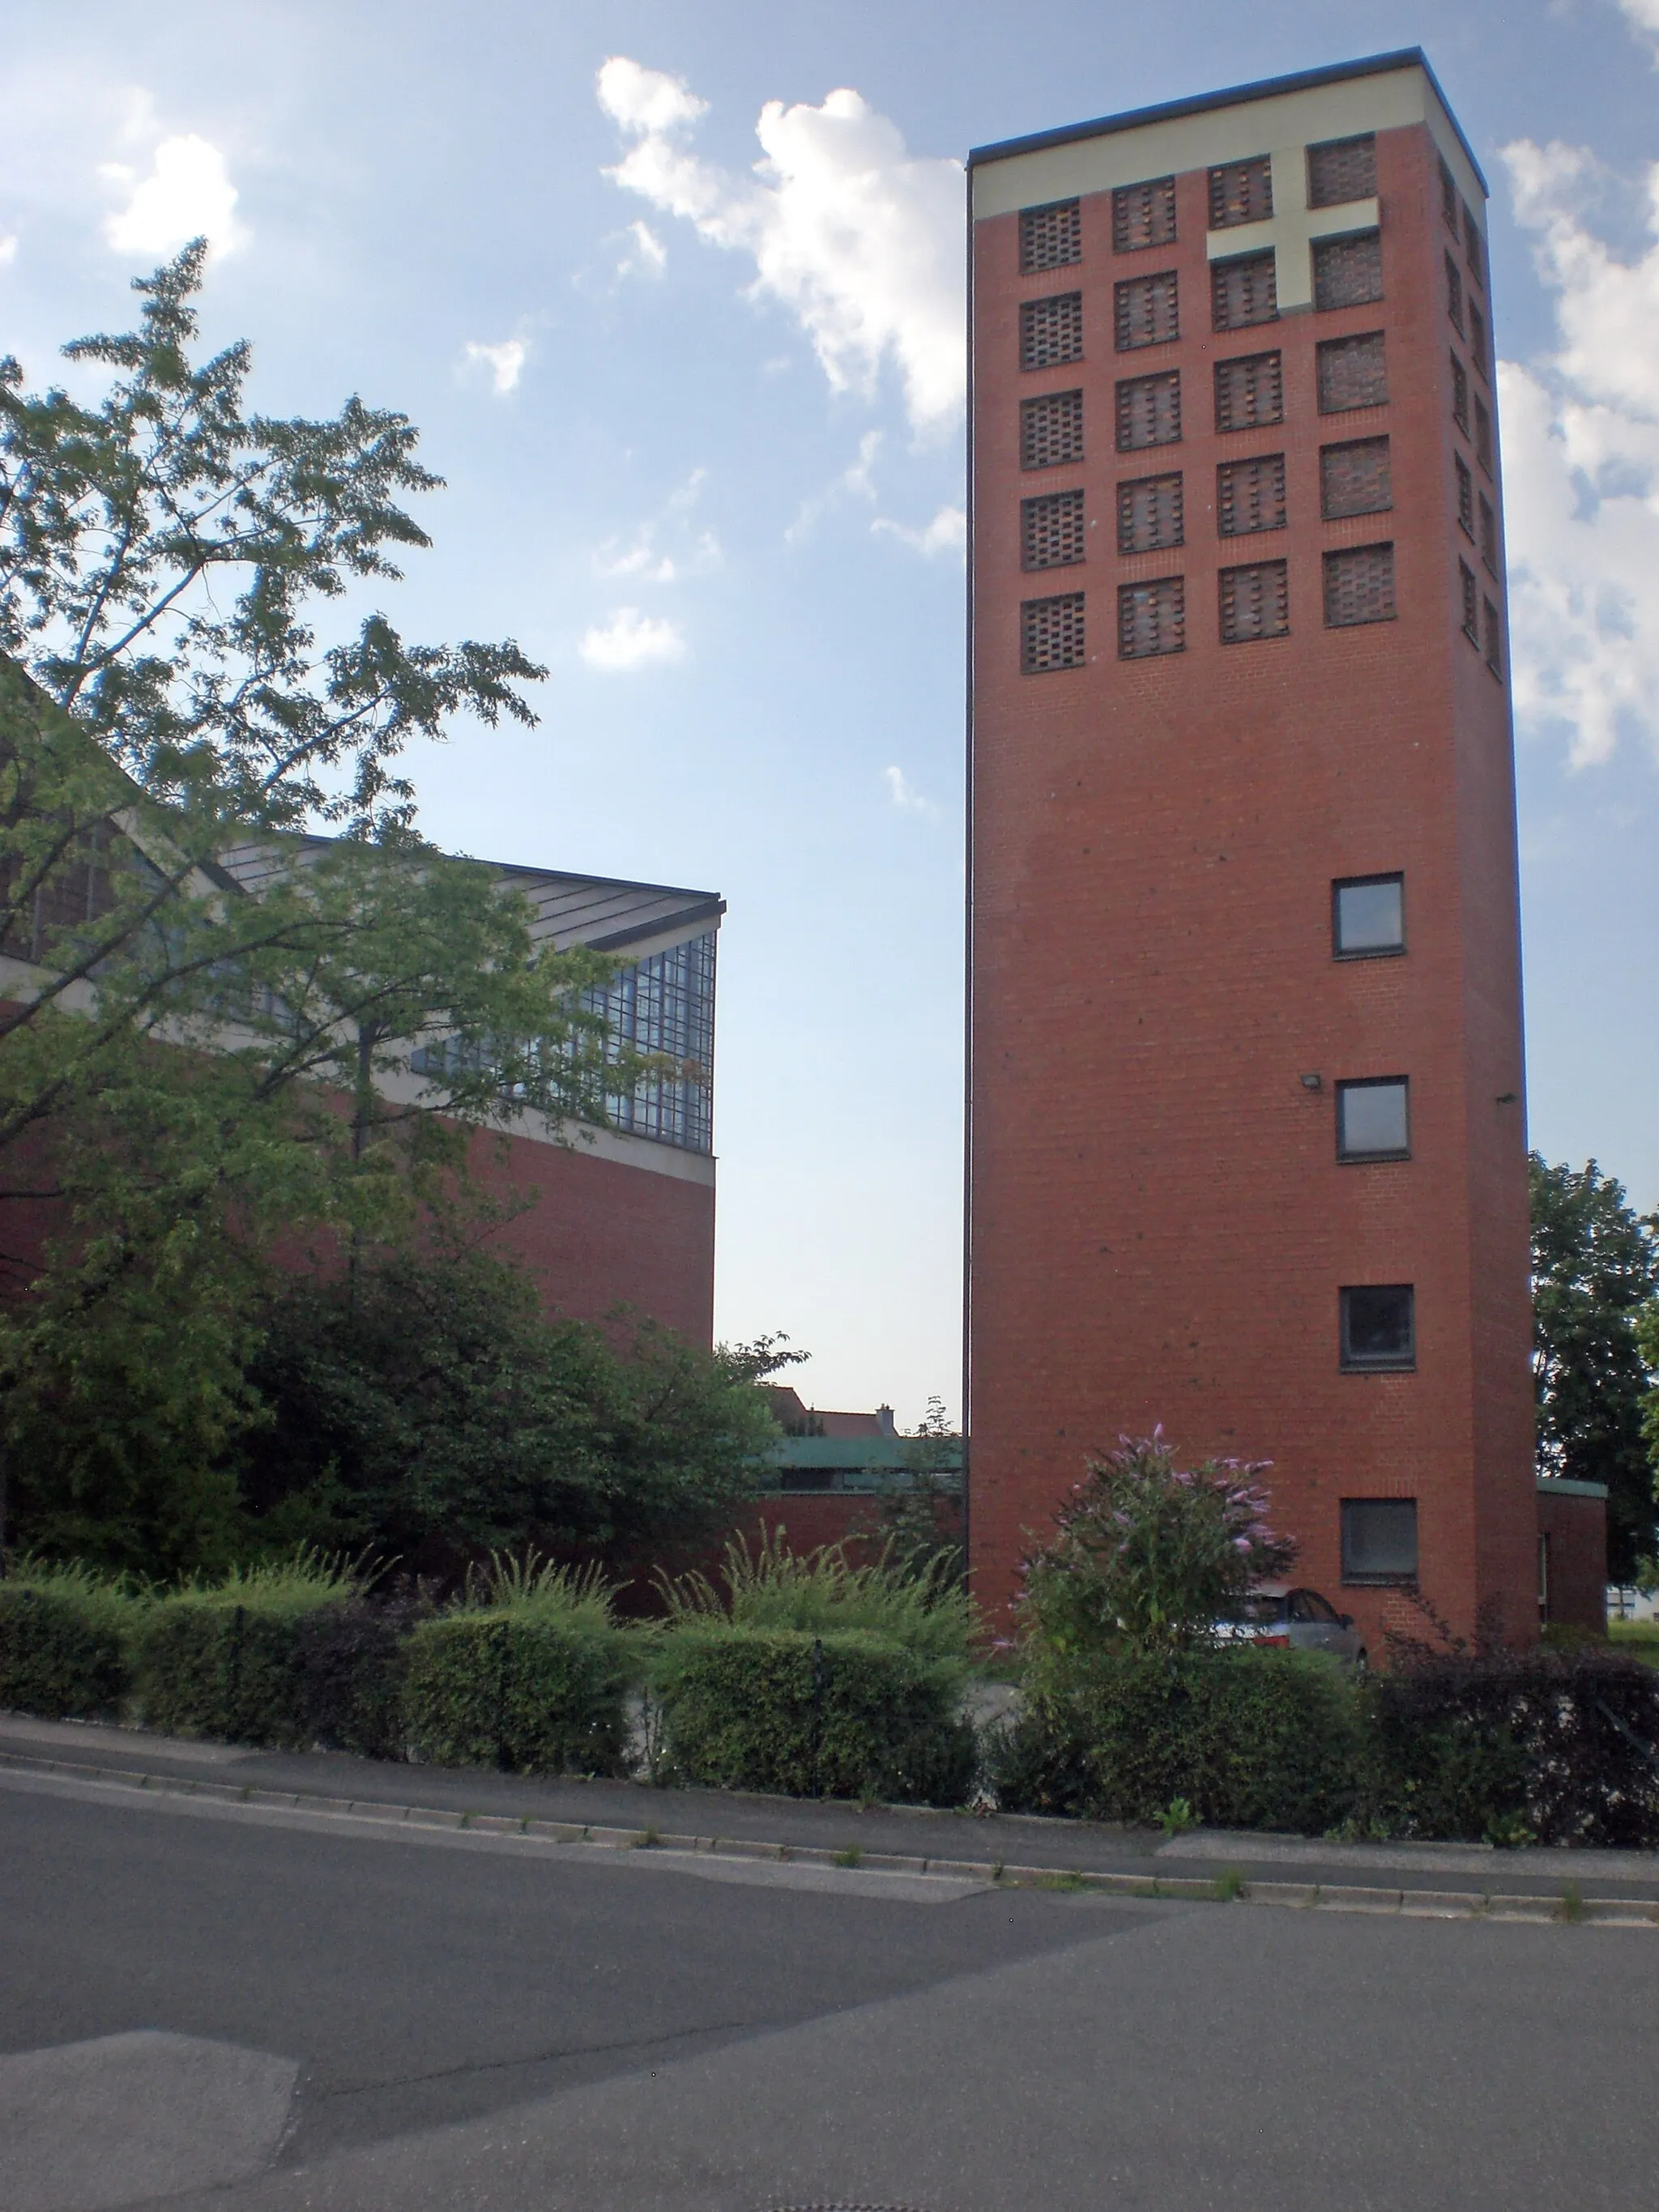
1454,295
1378,1324
1241,191
1050,237
1051,330
1150,516
1488,534
1051,529
1478,341
1373,1118
1348,272
1144,215
1465,495
1449,199
1355,478
1256,603
1494,639
1152,618
1051,634
1149,411
1483,435
1051,430
1251,495
1460,380
1473,246
1244,291
1379,1539
1353,373
1342,169
1250,392
1470,592
1146,310
1359,586
1368,917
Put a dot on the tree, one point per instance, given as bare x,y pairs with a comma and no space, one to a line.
1594,1269
921,1520
1147,1556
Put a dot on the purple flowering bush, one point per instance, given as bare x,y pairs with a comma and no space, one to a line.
1147,1555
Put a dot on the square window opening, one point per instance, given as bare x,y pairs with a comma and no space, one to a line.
1379,1539
1377,1327
1368,917
1373,1118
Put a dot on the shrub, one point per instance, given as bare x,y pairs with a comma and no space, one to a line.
1559,1747
351,1659
63,1642
1147,1556
916,1602
223,1659
847,1714
529,1673
1246,1739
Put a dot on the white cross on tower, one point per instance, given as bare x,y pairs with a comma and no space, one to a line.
1292,229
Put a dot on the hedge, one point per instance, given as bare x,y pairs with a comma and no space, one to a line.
506,1688
848,1715
1247,1739
61,1654
225,1663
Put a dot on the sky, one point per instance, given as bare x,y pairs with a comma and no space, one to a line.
674,292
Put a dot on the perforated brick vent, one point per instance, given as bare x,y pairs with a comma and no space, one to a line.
1051,529
1494,639
1342,169
1051,634
1051,430
1256,601
1144,215
1473,246
1149,411
1353,373
1151,515
1454,294
1241,191
1051,330
1488,534
1471,603
1359,586
1449,199
1483,435
1152,618
1348,272
1147,311
1243,292
1477,340
1354,478
1050,237
1465,495
1250,392
1251,495
1460,380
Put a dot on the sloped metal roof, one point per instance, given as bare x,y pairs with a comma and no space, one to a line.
606,912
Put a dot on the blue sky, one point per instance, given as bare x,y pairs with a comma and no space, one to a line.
701,428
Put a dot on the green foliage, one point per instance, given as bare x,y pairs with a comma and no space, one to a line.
223,1659
1147,1556
1596,1325
424,1405
530,1673
844,1714
921,1519
917,1603
64,1633
1246,1739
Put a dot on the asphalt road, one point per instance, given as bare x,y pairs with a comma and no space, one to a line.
360,2020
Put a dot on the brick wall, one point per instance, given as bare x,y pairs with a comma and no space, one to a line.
1574,1526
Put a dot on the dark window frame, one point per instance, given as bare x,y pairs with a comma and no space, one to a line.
1354,1577
1356,1156
1340,883
1350,1363
1032,262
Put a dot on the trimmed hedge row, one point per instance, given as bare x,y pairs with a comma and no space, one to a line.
846,1715
529,1695
58,1656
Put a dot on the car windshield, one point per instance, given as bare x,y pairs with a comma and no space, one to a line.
1260,1605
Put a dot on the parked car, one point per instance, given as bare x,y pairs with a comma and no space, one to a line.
1279,1615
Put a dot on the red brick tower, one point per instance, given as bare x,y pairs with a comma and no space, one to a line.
1247,1138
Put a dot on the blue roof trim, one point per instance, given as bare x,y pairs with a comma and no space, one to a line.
1266,88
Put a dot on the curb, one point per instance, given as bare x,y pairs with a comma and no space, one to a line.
1229,1885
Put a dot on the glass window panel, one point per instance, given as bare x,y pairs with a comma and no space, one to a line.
1372,1118
1379,1325
1379,1539
1371,915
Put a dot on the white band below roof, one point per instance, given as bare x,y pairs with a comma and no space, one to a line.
1391,100
1291,230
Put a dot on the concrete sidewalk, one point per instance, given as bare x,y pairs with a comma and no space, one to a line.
1440,1880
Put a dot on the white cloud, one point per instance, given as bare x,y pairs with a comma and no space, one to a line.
646,255
8,247
644,555
904,795
946,533
859,239
857,481
187,194
1582,470
1644,13
629,641
504,361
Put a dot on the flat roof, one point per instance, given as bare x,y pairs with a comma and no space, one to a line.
1266,87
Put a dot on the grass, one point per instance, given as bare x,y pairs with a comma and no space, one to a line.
1230,1885
851,1857
1635,1640
821,1592
534,1589
1572,1902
